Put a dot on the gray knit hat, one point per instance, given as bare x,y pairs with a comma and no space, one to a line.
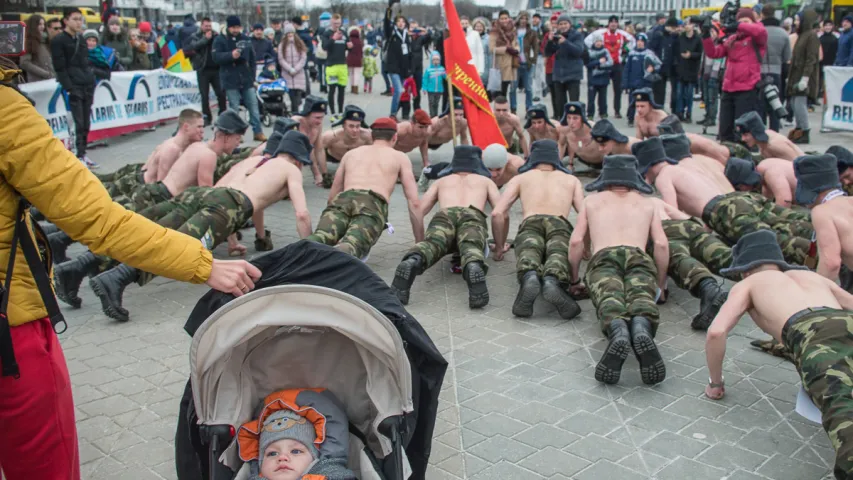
495,156
564,18
754,250
742,172
815,174
287,424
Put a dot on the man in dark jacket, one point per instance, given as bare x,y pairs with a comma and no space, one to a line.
187,31
236,59
655,33
666,46
829,46
775,63
71,62
567,44
276,39
844,58
398,54
261,46
207,70
688,59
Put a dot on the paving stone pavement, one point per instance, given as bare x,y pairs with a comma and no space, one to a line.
519,400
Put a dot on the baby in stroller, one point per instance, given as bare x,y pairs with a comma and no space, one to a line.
299,434
271,91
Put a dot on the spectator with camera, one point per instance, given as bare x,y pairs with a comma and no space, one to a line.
568,48
743,45
805,75
778,53
206,69
236,59
844,58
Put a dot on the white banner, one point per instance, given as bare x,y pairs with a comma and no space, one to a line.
128,101
839,98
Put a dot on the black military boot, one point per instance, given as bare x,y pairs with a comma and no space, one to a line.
711,297
475,276
405,275
109,287
567,307
527,293
48,227
59,243
68,276
652,369
609,368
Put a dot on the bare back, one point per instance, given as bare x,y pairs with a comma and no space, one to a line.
161,161
692,190
647,126
777,171
373,167
407,138
779,147
668,212
775,296
266,185
710,168
700,145
463,190
838,212
624,148
184,173
547,192
619,219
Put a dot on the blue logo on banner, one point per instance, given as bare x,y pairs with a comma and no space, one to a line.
137,80
844,113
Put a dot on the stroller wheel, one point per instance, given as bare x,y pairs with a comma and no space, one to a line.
266,119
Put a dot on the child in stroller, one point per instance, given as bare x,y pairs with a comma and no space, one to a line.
271,91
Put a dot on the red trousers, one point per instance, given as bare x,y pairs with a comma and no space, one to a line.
38,436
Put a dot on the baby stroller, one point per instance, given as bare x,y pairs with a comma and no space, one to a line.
271,100
317,318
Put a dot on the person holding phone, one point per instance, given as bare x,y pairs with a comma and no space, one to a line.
336,43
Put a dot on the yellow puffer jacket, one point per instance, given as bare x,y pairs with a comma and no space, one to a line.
36,165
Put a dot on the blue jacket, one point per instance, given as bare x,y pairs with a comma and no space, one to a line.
263,49
568,63
655,35
236,74
434,77
844,58
186,32
634,74
598,75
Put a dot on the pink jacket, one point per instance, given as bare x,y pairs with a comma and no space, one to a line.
292,58
743,69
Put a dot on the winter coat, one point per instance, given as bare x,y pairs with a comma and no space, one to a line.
305,35
71,62
262,49
598,73
371,69
804,60
355,55
530,46
410,90
633,77
568,61
336,50
844,58
289,57
420,43
667,54
140,57
655,35
154,56
829,45
687,69
234,74
120,44
201,51
549,60
614,42
778,51
434,77
743,70
502,58
37,165
38,66
476,46
186,32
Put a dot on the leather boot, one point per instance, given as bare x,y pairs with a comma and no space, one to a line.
59,243
68,276
355,90
794,134
711,297
48,227
567,307
652,369
405,275
527,293
109,287
609,368
260,137
475,276
803,138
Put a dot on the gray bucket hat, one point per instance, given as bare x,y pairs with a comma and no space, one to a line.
272,143
815,174
312,104
354,113
283,124
754,250
677,146
297,145
537,112
844,157
231,122
543,152
751,123
742,172
574,108
670,125
604,130
466,159
620,171
649,153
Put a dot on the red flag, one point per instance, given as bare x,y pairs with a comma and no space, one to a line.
482,123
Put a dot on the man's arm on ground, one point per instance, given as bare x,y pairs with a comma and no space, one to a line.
300,205
320,152
463,134
828,244
206,169
736,305
338,182
429,199
577,245
661,249
410,190
500,213
522,139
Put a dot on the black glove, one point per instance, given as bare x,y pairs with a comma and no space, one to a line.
328,178
264,244
730,27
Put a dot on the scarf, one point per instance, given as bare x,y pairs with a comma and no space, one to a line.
503,35
96,56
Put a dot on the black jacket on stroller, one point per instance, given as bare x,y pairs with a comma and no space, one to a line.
310,263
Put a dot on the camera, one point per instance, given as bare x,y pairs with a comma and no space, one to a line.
770,92
705,22
728,15
12,36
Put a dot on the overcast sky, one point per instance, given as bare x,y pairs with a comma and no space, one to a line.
320,3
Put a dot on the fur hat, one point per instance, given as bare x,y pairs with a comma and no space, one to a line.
670,125
313,103
354,113
742,172
644,95
231,122
649,153
495,156
574,108
272,143
754,250
283,124
620,170
751,123
604,130
537,112
843,156
466,159
297,145
815,174
677,146
544,152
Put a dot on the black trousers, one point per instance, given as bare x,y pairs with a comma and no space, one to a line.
80,102
419,79
732,106
659,91
295,100
616,81
566,92
206,78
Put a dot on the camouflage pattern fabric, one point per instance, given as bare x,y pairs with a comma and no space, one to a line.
228,160
130,169
684,269
739,213
149,195
740,151
542,246
454,229
160,210
353,222
126,185
821,342
622,283
795,221
774,348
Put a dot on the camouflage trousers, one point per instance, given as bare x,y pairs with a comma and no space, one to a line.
130,169
149,195
794,221
353,222
454,229
209,214
821,342
622,283
228,160
542,246
740,151
694,254
735,214
124,187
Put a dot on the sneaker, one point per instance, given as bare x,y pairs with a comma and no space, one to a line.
618,116
90,164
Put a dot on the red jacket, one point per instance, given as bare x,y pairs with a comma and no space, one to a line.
410,90
614,42
743,69
549,62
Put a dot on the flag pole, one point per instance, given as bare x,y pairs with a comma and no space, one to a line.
451,102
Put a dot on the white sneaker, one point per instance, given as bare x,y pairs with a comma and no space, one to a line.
90,164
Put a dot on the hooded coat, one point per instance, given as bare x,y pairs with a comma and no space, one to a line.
355,55
804,60
568,57
290,57
435,76
844,57
743,70
120,45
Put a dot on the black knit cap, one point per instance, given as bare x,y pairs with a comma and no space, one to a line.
466,159
620,171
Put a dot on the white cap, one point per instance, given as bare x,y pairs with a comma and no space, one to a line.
495,156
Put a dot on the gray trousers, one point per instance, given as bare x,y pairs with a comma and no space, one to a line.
800,105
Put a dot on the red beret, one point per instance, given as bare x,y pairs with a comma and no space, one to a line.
422,117
384,123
